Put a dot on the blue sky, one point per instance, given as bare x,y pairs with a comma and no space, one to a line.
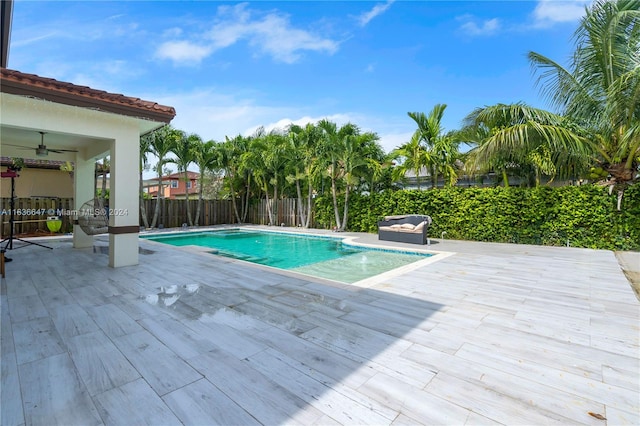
228,68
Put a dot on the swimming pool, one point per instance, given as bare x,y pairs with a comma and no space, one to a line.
325,257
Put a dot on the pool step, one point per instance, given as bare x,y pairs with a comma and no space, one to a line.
245,257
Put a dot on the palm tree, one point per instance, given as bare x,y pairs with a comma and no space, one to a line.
601,90
442,148
274,160
184,148
236,174
376,161
207,157
161,143
330,152
266,157
597,97
529,153
343,156
103,169
301,160
145,148
356,163
412,157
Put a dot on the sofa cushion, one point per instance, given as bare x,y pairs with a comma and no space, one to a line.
408,226
420,226
387,218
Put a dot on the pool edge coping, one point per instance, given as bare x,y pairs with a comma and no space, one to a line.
435,255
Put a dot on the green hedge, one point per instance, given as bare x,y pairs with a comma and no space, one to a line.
585,216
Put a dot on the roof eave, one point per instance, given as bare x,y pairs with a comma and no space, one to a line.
74,99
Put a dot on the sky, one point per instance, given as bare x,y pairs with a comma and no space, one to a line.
229,68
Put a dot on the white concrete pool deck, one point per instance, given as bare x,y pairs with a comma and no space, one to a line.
492,334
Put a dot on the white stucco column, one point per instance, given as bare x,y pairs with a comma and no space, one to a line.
83,183
124,203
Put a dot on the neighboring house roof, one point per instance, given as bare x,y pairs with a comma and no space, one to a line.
34,163
18,83
166,179
180,175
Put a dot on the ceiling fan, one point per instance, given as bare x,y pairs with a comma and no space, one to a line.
42,150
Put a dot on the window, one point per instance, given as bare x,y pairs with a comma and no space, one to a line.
174,183
191,184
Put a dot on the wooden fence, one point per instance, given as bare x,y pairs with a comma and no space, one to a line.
173,213
31,213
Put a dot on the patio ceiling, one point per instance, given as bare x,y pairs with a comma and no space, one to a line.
31,138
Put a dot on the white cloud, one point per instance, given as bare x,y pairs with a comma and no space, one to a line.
272,34
549,12
283,123
377,10
183,52
487,27
392,133
391,141
34,39
172,32
213,114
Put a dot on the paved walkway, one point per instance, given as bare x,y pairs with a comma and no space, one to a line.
492,334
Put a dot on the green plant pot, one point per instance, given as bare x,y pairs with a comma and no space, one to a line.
54,223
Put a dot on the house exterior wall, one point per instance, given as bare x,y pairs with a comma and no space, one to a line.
174,186
182,188
153,190
39,183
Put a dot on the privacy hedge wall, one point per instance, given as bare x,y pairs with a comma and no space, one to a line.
585,216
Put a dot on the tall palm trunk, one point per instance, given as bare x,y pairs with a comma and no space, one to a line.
245,208
159,199
334,193
301,209
269,214
235,207
309,198
233,196
434,178
346,208
143,208
275,201
104,179
199,207
505,179
186,197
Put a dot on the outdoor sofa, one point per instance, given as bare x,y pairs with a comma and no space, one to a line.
404,229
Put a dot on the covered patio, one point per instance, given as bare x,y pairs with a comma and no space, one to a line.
493,334
85,124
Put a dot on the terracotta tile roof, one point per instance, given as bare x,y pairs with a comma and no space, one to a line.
18,83
34,163
180,175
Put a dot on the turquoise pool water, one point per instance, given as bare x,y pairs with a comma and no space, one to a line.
318,256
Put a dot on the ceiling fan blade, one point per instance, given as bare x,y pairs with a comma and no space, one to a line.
18,146
60,151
